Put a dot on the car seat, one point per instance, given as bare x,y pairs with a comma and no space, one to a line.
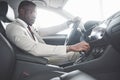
8,64
7,59
6,16
7,67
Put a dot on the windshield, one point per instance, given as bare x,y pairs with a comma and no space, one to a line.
46,18
92,9
86,9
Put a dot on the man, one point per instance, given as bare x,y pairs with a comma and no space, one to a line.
23,35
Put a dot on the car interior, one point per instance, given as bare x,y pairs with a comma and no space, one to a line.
101,62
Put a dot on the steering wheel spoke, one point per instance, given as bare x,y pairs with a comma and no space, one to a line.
72,32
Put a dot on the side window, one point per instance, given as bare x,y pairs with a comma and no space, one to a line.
46,18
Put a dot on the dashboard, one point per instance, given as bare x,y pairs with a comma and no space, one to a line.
96,40
101,35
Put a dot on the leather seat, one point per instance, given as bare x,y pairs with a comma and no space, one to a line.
8,62
7,67
6,16
7,59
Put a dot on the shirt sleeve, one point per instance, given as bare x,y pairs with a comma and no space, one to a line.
52,30
21,39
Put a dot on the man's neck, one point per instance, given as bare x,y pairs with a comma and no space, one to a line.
22,18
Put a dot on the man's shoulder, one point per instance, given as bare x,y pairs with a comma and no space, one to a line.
14,26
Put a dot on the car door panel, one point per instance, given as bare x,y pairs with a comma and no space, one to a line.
55,39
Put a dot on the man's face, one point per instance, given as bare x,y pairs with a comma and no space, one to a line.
30,15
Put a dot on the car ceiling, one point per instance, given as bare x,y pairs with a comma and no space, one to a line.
56,3
52,3
49,3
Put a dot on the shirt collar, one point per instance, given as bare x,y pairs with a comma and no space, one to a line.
22,23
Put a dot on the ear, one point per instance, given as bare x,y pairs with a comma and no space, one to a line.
22,11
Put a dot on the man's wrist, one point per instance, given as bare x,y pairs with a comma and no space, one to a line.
69,22
68,48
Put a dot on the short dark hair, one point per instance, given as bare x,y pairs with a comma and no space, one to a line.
25,4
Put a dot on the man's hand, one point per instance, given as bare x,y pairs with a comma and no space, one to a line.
69,22
72,20
82,46
76,19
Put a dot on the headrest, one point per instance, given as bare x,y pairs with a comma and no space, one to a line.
6,12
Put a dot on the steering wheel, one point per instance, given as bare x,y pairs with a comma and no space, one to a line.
71,35
72,32
85,32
